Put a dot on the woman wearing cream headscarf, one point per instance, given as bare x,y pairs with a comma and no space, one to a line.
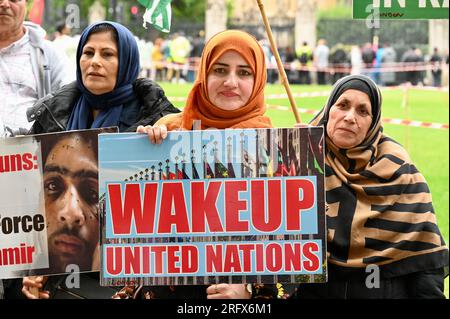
382,229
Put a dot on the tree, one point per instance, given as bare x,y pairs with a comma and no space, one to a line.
189,10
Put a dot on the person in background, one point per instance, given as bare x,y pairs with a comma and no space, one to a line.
31,67
272,75
339,60
410,59
368,55
356,60
379,52
64,42
198,43
290,64
380,215
321,54
436,71
63,31
158,63
180,48
388,59
305,57
420,62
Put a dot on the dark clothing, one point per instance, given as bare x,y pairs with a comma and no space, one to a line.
321,77
427,284
368,55
305,57
410,58
52,112
436,72
339,61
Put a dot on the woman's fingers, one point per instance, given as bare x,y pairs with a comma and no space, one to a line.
227,291
31,284
33,281
140,129
163,132
156,134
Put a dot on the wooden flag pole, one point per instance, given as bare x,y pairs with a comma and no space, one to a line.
284,79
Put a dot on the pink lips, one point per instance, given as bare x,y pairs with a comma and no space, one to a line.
229,94
95,74
68,244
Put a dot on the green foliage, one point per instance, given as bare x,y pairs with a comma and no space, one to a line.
29,5
230,8
338,12
189,10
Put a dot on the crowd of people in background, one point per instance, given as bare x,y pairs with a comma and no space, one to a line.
382,63
176,59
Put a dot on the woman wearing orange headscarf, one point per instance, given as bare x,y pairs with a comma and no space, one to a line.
228,93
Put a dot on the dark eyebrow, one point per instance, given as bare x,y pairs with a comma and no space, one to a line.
364,104
64,171
241,66
344,100
102,49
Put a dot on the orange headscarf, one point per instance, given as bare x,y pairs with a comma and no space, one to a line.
199,107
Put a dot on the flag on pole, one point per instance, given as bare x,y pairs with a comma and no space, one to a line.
158,13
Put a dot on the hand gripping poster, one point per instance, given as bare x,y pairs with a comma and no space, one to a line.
213,206
49,222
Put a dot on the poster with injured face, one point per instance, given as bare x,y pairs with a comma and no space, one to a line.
49,222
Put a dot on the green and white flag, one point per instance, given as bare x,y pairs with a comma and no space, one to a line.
158,13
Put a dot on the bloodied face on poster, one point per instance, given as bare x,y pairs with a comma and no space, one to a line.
70,174
64,235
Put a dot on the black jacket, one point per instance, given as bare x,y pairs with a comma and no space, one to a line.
52,113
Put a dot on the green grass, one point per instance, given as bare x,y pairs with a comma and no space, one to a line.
428,148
